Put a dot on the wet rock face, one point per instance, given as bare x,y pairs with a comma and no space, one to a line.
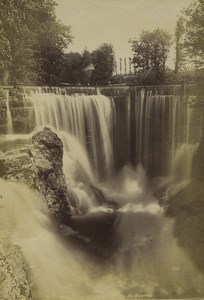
14,273
38,163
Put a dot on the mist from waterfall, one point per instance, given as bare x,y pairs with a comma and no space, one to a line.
147,262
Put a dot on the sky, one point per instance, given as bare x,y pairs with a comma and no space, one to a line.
95,22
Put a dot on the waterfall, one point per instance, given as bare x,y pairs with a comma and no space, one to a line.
125,125
182,164
188,125
139,129
102,134
88,119
160,125
8,115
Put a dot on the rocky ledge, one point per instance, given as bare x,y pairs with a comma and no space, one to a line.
38,163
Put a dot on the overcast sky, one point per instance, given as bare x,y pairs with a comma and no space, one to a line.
95,22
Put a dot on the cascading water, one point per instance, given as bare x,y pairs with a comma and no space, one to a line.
182,164
8,115
151,124
88,119
157,133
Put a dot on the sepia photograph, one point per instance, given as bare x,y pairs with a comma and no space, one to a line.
101,149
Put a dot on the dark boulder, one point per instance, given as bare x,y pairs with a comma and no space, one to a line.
38,163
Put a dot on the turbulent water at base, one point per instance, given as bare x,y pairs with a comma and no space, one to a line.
148,262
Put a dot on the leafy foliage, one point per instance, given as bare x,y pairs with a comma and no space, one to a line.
179,36
72,68
194,30
100,62
103,60
33,40
150,55
74,64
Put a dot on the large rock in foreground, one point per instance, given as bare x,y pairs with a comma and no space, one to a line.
38,163
15,281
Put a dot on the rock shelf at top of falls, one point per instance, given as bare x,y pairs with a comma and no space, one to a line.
37,161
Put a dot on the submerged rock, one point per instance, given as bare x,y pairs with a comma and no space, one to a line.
38,163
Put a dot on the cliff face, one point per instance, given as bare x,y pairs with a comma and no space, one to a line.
38,163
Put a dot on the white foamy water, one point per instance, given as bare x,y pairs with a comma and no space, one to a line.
147,258
59,271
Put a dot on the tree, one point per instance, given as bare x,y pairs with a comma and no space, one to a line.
179,35
35,39
15,31
86,58
5,59
51,39
72,68
150,55
103,60
194,31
